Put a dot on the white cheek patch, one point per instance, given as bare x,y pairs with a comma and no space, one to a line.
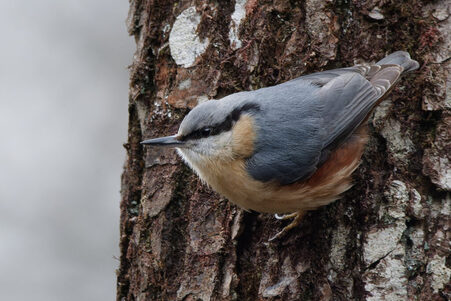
210,148
225,139
192,159
216,146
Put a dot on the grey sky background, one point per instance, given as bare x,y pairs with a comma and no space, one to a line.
63,120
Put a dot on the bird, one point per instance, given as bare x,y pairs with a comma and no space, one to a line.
289,148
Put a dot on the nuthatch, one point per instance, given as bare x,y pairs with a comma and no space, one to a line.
289,148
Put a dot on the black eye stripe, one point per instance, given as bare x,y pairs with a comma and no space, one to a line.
247,107
224,126
210,131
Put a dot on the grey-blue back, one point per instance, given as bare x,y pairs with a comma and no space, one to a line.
301,122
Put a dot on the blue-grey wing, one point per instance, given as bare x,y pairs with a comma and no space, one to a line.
284,122
307,117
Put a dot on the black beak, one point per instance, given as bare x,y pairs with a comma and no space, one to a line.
169,141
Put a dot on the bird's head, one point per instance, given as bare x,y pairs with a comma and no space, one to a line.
213,130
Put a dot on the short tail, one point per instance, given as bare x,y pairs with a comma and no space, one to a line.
402,59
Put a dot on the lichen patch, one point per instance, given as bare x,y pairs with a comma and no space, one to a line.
237,16
440,272
184,42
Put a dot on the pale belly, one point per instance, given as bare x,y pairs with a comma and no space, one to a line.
232,182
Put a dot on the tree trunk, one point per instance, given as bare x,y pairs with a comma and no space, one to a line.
386,239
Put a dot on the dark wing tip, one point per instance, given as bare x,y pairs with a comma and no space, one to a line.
384,79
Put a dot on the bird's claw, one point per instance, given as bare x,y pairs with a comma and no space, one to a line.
296,216
286,216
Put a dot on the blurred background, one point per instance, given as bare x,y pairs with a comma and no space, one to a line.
63,120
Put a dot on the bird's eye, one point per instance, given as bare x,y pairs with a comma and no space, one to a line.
206,132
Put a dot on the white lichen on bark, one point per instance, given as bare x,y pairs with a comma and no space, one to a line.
387,280
184,42
238,15
440,272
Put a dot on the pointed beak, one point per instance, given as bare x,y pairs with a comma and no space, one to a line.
169,141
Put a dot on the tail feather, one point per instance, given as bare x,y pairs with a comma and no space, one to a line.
400,58
389,69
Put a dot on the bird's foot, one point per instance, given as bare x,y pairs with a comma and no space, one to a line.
296,216
286,216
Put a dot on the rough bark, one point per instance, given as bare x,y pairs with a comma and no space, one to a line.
386,239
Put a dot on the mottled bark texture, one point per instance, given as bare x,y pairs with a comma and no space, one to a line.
386,239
